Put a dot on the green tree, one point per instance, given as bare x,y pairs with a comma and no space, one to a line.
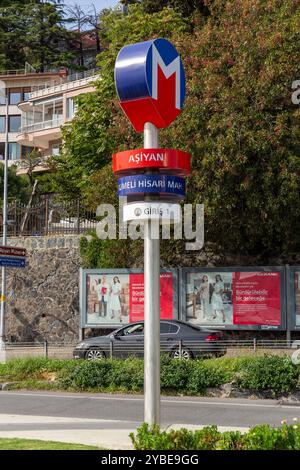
34,31
18,187
239,122
12,34
47,37
185,7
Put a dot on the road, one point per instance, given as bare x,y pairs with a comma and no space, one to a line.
88,418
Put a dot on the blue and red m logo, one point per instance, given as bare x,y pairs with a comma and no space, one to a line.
150,83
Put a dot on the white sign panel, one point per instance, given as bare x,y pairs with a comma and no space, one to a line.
166,213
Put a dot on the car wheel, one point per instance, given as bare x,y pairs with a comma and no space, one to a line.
95,355
184,353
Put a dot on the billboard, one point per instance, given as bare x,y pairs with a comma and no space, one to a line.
114,297
293,290
234,298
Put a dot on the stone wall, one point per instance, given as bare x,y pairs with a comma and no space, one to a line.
43,299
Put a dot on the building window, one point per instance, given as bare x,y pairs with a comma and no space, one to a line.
2,124
14,123
26,94
15,97
14,151
71,108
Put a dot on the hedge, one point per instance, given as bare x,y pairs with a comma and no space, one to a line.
261,437
274,375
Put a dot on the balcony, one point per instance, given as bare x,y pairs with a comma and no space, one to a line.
13,72
29,70
39,134
74,81
39,126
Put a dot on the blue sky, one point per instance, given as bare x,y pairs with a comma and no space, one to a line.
85,4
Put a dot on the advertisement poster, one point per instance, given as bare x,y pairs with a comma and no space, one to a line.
137,296
209,298
117,299
297,297
234,298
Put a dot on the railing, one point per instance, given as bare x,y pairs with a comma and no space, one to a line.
188,349
38,126
28,70
176,349
54,350
58,84
82,75
13,72
48,217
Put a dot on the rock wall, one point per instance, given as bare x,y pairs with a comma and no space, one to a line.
43,299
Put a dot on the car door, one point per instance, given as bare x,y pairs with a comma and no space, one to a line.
168,336
130,341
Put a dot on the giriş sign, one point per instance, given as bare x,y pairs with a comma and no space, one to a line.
150,83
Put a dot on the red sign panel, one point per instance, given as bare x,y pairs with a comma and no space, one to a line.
12,251
136,296
256,298
163,159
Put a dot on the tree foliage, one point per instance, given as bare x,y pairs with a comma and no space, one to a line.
17,186
34,31
185,7
238,122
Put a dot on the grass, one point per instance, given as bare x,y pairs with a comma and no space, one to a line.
32,444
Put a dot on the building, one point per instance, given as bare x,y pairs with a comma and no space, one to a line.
87,46
47,107
18,85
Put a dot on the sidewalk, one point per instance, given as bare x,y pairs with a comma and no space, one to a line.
77,430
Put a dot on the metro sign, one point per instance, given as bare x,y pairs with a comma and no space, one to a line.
150,82
153,183
173,161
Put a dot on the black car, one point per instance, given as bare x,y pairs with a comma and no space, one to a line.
178,339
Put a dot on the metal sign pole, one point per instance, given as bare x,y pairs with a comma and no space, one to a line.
3,286
152,307
149,105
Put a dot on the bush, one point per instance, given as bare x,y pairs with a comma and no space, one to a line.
269,374
261,437
87,375
204,375
33,367
274,373
127,375
175,374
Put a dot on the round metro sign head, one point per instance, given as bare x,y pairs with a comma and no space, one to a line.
150,82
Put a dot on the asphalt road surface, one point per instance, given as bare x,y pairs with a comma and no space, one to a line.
105,411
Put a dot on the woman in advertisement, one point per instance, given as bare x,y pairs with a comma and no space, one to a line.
115,304
204,296
216,298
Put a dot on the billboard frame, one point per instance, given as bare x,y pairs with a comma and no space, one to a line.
83,273
283,303
291,297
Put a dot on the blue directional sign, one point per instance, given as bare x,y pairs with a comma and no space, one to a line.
11,262
155,184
